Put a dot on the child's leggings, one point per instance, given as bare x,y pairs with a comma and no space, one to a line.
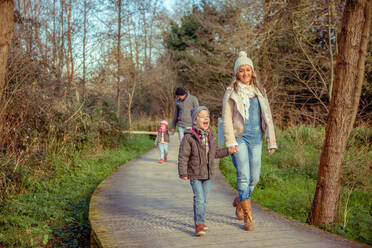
163,148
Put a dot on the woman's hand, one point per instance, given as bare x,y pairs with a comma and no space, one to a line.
184,178
271,151
232,149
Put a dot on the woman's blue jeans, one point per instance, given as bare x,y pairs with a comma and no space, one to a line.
247,160
201,193
163,148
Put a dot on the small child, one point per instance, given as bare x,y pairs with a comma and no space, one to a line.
162,140
196,156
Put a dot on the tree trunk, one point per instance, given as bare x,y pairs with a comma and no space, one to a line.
130,100
54,40
145,36
6,36
331,33
61,50
36,26
118,62
84,45
70,58
151,34
130,40
346,91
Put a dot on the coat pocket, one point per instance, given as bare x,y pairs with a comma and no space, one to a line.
194,168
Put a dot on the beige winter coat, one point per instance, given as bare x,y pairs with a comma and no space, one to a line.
233,118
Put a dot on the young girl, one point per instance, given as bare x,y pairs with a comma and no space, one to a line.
196,156
162,140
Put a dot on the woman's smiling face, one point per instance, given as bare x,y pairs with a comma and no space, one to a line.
245,74
202,121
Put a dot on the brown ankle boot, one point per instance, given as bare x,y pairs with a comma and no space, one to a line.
248,219
238,211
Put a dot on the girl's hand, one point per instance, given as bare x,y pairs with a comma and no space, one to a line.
271,151
184,178
232,149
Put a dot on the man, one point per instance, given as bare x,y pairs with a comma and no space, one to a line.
185,102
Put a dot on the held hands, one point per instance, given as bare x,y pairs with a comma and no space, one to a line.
184,178
232,149
172,131
271,151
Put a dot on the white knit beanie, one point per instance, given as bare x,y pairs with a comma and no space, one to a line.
242,60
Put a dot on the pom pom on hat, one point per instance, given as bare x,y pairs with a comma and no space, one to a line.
164,122
242,54
242,60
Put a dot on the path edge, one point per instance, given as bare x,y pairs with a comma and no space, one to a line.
96,239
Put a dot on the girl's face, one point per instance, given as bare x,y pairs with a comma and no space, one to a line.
202,121
162,127
244,74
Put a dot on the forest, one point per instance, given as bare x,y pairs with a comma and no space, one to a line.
76,73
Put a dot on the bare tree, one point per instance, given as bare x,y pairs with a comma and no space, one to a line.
142,16
118,84
70,57
346,92
84,44
61,50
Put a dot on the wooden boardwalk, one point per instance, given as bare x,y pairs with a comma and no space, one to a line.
144,204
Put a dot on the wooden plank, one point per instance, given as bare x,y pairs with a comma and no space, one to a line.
139,132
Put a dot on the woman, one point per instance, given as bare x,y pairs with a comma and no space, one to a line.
246,117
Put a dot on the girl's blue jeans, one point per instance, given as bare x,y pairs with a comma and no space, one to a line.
247,160
201,193
163,148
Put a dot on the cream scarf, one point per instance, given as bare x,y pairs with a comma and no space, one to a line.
245,92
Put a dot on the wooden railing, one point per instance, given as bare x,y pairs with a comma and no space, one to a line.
140,132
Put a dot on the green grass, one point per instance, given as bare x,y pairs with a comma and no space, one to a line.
54,213
288,179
